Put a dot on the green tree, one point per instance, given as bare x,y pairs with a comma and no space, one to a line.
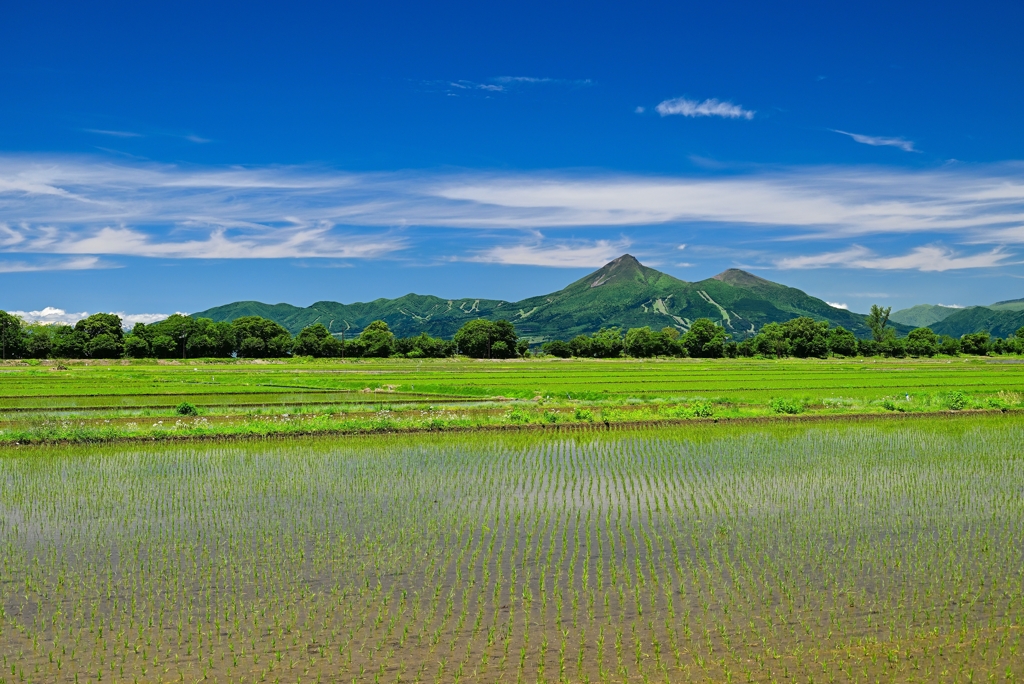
557,348
102,335
641,343
10,335
704,339
257,337
667,342
377,340
423,346
102,324
164,347
771,341
38,340
893,347
975,343
581,345
842,342
477,339
310,340
606,343
68,343
877,320
136,347
500,350
807,337
868,348
950,346
104,346
922,342
179,327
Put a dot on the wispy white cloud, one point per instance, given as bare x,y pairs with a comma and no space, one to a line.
51,315
523,79
682,106
88,206
116,134
85,263
877,141
533,80
498,84
932,258
559,253
838,305
842,257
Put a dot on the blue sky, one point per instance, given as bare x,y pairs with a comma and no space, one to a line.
159,157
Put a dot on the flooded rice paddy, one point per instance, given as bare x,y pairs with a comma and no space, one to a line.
864,552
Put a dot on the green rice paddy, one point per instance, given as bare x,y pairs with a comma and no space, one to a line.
115,400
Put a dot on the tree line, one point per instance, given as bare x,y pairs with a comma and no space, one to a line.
102,336
801,337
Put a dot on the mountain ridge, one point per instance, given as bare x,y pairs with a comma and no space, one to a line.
622,293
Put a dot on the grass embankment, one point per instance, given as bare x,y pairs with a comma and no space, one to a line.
104,401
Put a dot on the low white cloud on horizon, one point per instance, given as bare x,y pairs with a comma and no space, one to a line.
682,106
928,258
51,315
879,141
838,305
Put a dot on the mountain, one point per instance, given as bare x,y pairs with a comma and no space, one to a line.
998,322
622,293
1008,305
923,315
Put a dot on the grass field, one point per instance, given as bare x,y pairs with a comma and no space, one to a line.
97,401
877,551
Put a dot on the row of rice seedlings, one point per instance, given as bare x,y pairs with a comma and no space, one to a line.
847,554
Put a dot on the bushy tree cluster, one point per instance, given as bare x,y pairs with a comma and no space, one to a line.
102,336
704,339
483,339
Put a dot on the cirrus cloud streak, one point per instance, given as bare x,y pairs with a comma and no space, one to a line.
929,258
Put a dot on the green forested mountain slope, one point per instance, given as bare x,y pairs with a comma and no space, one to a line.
622,293
1008,305
1000,323
923,315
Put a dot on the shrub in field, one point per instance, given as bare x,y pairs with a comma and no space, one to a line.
892,405
186,409
781,405
517,415
583,414
702,409
956,400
